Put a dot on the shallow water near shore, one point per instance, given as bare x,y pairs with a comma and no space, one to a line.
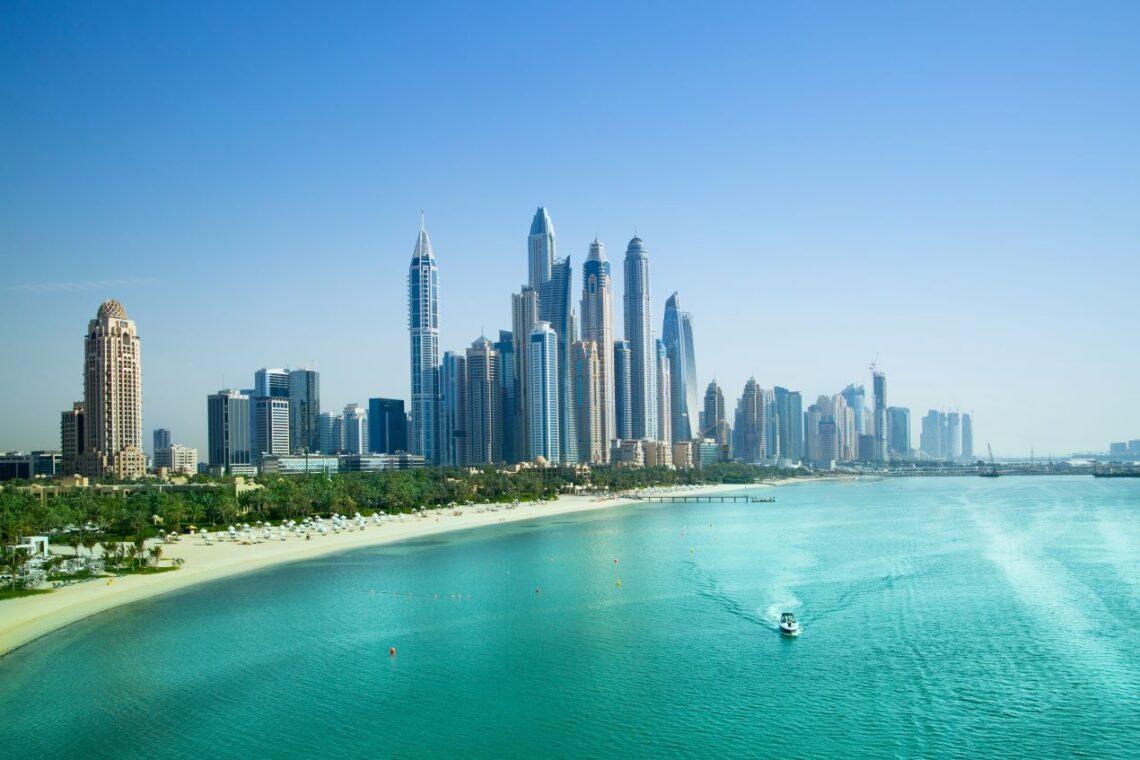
940,616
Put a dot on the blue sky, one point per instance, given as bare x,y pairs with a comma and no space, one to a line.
949,187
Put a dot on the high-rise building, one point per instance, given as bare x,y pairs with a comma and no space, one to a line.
967,437
512,451
639,335
423,327
588,401
597,326
524,318
847,437
271,383
879,386
271,415
453,409
355,427
930,439
623,405
177,458
387,426
541,250
112,396
484,427
542,393
554,306
330,429
72,438
856,398
304,410
789,424
227,417
677,333
663,403
161,438
714,423
898,422
953,449
748,443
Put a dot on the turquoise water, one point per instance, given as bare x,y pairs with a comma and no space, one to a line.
941,617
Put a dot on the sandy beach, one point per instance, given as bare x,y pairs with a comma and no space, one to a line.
27,618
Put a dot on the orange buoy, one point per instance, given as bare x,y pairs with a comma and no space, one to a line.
391,651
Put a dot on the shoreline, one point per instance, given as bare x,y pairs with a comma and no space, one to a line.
26,619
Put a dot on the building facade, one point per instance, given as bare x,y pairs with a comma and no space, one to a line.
228,433
387,426
484,428
304,410
112,396
588,402
639,336
453,409
623,411
355,427
677,333
71,438
597,326
423,327
542,394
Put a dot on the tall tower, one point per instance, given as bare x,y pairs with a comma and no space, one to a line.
304,409
748,432
423,326
484,443
227,417
540,249
664,386
639,335
72,438
112,395
677,333
713,421
542,393
453,409
879,386
623,422
598,326
587,401
524,318
554,306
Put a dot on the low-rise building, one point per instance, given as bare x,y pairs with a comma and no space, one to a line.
298,464
628,453
177,458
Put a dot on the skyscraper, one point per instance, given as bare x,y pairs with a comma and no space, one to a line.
387,426
898,422
587,401
453,409
663,403
639,335
71,438
524,318
161,438
329,432
304,409
930,440
714,423
271,416
355,427
423,326
856,398
271,382
623,405
554,306
879,385
967,436
112,396
677,333
484,427
540,249
748,432
789,424
542,393
597,325
512,451
953,449
227,418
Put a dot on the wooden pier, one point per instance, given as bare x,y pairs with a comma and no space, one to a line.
693,499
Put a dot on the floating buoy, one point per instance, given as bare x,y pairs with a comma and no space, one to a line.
619,584
391,651
615,560
537,590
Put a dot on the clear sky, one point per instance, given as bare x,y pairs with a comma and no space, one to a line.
949,187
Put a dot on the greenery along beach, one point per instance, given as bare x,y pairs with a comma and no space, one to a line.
112,547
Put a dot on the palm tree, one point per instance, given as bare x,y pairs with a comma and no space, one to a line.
111,551
156,553
139,549
89,541
14,561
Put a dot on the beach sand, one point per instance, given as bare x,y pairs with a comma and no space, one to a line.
27,618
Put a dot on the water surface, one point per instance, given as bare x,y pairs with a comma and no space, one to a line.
941,617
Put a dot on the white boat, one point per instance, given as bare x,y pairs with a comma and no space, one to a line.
788,624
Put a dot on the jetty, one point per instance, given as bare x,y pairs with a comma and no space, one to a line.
708,498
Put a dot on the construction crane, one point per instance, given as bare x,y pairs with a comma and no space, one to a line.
992,470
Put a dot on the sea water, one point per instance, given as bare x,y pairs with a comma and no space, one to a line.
941,617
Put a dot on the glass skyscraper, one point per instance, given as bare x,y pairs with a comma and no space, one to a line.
639,336
542,393
597,325
677,333
423,326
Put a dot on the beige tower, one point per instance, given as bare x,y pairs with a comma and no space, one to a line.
112,393
589,401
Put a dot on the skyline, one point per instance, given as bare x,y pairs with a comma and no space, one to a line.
964,219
